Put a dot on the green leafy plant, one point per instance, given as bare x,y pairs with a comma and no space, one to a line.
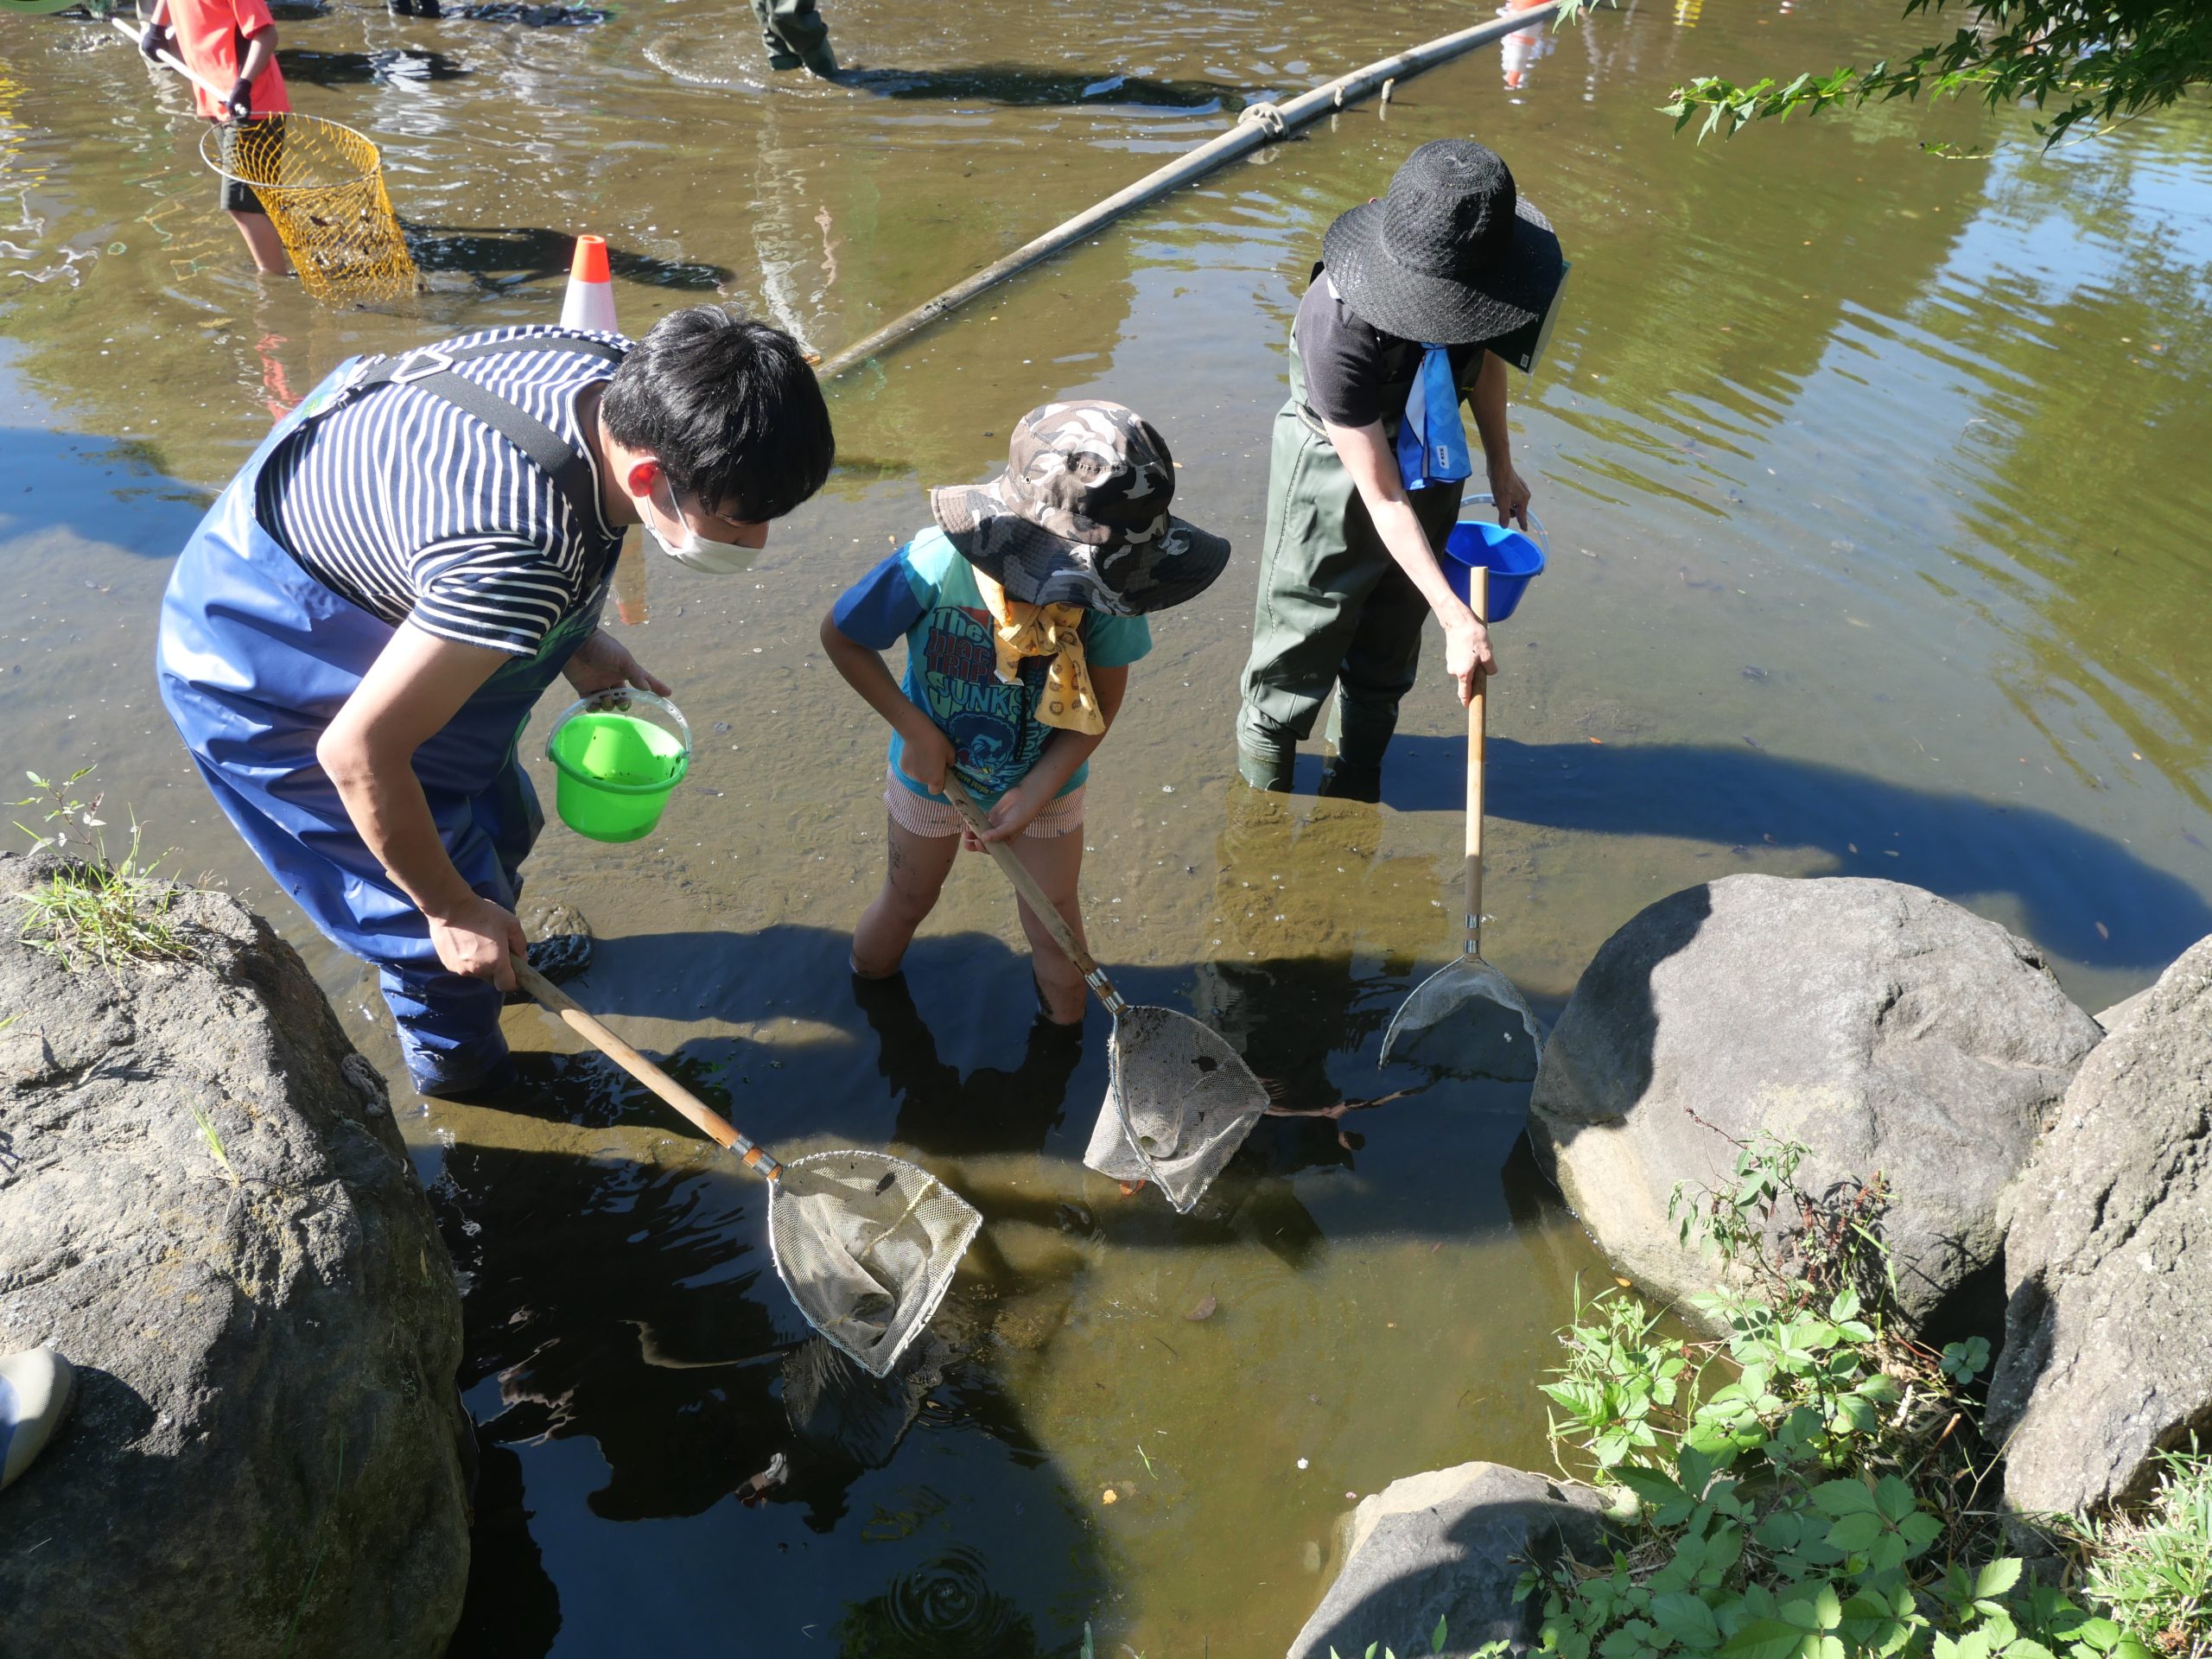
1803,1487
1436,1639
2091,65
1807,1485
1794,1246
2154,1571
95,908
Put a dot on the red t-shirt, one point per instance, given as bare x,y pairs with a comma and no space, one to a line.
211,38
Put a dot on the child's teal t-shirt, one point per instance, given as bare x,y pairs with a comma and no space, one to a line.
927,592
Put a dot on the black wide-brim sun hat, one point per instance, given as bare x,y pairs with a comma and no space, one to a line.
1452,255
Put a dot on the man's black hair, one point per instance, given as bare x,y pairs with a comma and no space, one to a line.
729,407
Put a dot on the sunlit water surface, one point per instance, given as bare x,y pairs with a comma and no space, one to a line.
1874,483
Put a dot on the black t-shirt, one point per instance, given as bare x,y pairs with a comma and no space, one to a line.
1356,374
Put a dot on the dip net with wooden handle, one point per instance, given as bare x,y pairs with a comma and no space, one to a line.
322,186
867,1245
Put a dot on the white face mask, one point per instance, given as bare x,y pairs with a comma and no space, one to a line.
716,559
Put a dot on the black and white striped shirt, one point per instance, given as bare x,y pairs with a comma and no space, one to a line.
415,512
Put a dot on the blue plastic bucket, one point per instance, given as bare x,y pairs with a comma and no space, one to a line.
1510,557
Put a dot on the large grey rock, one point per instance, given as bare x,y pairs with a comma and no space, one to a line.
1888,1030
1450,1545
2123,1011
2107,1355
267,1451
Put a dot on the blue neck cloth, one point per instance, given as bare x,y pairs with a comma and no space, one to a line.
1433,439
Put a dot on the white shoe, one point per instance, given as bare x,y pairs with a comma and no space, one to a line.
37,1388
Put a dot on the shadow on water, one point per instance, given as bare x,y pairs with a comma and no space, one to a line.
632,1305
1016,84
529,253
869,1069
2085,896
513,1610
989,1108
105,472
503,11
630,1309
391,67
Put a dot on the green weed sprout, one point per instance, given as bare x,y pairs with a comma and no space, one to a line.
97,908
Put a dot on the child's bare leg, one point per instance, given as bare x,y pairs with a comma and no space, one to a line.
263,244
1057,863
912,880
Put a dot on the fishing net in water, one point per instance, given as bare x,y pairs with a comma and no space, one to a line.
1443,1022
867,1245
1180,1101
323,187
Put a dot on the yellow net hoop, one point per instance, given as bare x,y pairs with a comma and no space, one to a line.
323,187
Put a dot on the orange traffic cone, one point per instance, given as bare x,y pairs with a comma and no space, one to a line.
590,302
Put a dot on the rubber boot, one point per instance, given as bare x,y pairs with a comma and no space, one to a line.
1266,758
1354,772
795,36
1343,780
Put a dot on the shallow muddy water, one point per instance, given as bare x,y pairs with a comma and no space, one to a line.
1874,485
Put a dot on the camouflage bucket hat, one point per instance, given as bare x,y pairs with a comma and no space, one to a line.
1079,516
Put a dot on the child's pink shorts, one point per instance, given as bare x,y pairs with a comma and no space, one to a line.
918,814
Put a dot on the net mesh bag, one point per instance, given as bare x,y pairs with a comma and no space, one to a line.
867,1245
1438,1022
1179,1100
323,187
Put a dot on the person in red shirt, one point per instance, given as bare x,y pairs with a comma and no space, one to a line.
230,44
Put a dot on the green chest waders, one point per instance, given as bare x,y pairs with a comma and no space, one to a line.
1334,609
794,33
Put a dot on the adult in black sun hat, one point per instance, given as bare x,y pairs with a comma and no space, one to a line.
1419,302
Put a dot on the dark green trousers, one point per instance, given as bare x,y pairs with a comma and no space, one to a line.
1334,609
794,33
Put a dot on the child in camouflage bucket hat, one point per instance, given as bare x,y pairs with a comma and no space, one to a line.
1022,608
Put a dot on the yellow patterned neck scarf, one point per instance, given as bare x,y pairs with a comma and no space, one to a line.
1054,631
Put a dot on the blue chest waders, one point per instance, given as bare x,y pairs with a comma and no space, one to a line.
255,657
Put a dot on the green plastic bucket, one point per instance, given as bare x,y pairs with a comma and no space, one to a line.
616,768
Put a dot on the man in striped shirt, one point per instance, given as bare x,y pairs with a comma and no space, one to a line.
354,637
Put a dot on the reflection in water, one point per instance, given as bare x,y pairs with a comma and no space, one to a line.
392,67
657,1343
669,1344
532,253
1819,409
514,11
945,1610
1290,983
1518,50
1013,84
839,1411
